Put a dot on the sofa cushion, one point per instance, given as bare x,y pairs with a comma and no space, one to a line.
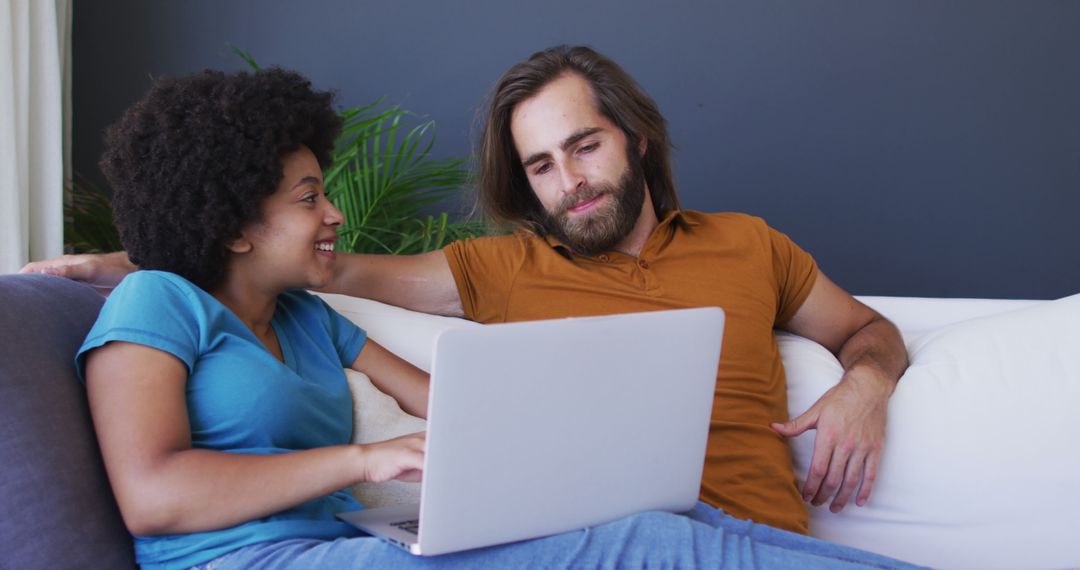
408,334
980,463
378,417
58,509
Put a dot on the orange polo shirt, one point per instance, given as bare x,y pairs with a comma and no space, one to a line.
733,261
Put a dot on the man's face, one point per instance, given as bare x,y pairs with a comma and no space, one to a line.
579,165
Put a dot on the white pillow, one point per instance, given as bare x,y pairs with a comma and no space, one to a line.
408,334
981,465
377,417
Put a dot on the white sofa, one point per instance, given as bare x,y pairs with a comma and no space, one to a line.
981,468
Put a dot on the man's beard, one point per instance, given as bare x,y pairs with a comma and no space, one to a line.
600,230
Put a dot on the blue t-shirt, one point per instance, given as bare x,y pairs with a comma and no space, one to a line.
240,398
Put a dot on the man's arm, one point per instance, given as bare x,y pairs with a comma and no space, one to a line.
850,417
419,282
103,271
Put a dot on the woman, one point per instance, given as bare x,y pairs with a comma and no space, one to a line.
215,381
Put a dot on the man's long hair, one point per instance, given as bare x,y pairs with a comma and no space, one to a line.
503,191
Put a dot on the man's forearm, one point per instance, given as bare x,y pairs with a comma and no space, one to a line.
421,282
103,271
879,347
120,261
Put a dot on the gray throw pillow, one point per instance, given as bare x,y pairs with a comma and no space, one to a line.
56,507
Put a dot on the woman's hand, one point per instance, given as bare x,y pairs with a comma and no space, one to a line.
401,458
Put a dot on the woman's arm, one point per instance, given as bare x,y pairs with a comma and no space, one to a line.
163,486
394,376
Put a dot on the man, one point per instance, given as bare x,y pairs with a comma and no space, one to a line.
574,157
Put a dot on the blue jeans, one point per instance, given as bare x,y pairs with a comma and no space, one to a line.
702,538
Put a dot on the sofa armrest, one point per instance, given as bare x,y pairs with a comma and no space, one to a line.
916,316
980,462
58,509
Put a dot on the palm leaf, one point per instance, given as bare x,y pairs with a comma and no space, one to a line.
89,227
382,180
384,183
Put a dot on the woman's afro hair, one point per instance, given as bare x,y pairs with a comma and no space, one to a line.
191,163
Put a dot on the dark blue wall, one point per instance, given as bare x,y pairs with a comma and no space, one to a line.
920,148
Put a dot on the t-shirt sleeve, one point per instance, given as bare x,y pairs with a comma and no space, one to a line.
348,338
795,271
484,270
147,309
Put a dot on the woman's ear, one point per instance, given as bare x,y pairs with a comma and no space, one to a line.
239,245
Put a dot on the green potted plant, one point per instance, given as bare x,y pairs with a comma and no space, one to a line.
88,225
384,185
382,179
383,182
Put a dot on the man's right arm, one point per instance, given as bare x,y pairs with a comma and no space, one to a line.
418,282
103,271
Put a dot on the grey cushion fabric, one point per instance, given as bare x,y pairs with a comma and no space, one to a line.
56,507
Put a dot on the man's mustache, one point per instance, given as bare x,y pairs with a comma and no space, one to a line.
583,195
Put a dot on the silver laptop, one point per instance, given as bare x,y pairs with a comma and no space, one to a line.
542,427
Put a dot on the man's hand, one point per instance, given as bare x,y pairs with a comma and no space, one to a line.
850,424
103,271
850,417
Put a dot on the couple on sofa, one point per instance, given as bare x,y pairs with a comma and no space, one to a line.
216,385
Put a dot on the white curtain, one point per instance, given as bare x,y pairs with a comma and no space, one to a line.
35,128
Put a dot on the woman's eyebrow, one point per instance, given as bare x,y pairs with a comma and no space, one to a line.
307,180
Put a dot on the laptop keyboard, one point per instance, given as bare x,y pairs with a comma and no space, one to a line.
408,526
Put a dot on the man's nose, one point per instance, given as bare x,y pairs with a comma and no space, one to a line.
572,178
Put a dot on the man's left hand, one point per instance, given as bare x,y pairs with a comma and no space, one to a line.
850,423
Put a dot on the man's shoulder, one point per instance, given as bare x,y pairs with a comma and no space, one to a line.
725,221
517,242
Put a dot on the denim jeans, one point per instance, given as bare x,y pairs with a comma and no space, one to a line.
702,538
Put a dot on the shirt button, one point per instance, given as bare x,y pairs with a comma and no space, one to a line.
604,258
643,264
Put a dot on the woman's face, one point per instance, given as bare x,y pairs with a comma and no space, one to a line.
293,245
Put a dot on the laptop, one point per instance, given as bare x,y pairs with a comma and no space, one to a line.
542,427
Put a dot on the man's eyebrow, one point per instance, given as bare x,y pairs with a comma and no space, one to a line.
574,138
567,143
307,180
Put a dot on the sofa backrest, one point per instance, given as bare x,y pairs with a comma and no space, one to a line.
57,507
916,316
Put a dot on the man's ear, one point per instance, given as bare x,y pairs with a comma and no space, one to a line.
239,245
643,145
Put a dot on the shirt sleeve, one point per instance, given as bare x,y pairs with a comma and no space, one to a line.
484,270
348,338
795,271
147,309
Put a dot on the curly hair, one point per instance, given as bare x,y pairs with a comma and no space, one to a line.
192,161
